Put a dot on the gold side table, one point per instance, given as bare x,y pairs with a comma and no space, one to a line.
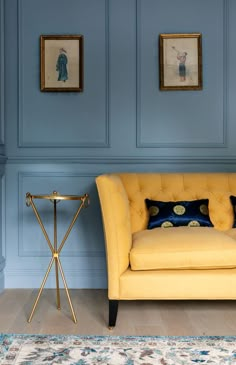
55,197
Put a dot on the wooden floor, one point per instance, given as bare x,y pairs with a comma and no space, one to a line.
187,318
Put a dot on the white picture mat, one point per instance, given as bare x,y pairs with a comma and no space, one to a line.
171,63
52,51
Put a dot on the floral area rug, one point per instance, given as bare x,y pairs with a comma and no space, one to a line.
111,350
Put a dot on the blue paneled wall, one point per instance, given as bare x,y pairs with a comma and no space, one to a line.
2,146
120,122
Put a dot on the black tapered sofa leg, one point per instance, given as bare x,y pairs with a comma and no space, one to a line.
113,309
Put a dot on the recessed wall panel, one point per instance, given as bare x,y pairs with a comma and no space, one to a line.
66,119
182,118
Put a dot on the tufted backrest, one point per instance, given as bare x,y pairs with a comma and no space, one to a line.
217,187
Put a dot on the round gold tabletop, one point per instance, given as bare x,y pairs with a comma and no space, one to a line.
56,196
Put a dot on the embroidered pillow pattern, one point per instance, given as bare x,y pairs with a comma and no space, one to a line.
192,213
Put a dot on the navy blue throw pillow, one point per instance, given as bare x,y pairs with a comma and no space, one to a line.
181,213
233,202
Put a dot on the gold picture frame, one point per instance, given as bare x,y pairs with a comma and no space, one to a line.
61,63
180,61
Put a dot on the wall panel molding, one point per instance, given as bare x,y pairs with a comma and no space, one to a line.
21,127
2,74
126,160
139,141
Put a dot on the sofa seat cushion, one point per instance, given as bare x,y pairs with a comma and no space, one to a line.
182,248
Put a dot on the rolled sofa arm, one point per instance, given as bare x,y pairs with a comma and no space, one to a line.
117,228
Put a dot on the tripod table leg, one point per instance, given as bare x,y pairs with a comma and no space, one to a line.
67,291
41,288
57,285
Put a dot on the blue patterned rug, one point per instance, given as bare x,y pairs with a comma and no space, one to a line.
111,350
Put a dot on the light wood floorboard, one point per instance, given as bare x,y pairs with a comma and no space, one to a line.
143,318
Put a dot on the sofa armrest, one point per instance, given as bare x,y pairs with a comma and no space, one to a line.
117,228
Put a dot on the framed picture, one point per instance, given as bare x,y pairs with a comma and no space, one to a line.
61,66
180,61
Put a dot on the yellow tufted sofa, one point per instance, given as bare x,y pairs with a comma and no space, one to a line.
167,263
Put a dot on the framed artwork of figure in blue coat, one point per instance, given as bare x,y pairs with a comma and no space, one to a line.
61,63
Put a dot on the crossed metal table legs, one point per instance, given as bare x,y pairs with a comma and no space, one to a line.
55,250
